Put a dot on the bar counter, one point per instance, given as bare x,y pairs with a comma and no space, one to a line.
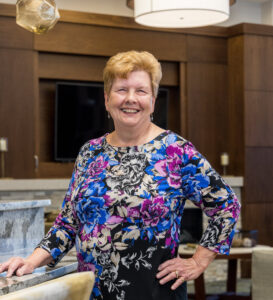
67,265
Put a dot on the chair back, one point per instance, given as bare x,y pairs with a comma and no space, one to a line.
69,287
262,274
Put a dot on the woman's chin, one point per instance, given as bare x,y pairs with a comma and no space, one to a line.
131,123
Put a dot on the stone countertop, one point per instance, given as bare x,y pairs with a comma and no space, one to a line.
23,204
67,265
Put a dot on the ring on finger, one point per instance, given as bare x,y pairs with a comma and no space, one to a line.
176,274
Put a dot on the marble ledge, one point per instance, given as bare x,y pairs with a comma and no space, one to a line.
67,265
15,204
40,275
62,184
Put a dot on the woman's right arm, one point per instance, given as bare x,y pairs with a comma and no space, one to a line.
20,266
61,235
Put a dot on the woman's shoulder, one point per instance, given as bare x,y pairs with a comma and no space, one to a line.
93,144
173,138
175,143
89,149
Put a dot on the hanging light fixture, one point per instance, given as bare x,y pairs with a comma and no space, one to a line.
180,13
37,16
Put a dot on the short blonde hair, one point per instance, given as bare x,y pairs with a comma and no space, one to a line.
123,63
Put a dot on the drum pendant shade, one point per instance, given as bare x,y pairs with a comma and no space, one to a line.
180,13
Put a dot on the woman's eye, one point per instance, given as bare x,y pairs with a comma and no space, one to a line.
141,92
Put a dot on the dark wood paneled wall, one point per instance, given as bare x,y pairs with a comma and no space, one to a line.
236,104
107,41
259,135
18,97
90,68
251,135
207,109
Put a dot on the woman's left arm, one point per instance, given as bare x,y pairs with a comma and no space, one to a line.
205,188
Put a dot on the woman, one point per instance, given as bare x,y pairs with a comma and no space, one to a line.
125,201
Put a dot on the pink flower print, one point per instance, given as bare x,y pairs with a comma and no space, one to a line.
174,150
171,166
97,166
161,167
189,150
84,266
133,212
153,210
97,141
174,163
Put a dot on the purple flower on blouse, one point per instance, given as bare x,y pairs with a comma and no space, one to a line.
133,212
97,141
153,210
189,150
171,166
97,166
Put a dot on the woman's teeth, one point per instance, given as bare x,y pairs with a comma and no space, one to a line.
129,110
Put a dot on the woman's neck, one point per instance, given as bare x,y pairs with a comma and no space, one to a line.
132,136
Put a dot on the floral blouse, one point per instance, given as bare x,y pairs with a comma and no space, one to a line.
123,212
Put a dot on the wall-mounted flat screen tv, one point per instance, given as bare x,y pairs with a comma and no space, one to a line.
80,116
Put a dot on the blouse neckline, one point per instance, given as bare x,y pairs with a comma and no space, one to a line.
135,148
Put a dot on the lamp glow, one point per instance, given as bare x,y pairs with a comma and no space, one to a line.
180,13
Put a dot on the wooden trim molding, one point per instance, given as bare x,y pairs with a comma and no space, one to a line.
248,28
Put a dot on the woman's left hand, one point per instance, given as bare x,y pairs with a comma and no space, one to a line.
185,269
179,269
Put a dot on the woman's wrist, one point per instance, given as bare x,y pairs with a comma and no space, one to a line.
39,258
203,257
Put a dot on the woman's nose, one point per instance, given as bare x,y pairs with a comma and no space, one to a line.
130,96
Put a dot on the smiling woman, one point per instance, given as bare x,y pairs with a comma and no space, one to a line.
125,201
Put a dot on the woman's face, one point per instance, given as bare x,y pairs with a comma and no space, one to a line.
131,100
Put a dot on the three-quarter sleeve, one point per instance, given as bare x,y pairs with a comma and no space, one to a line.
205,188
61,236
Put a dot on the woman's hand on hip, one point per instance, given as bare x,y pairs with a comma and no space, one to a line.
185,269
180,270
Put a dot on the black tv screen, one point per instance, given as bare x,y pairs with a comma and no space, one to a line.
80,115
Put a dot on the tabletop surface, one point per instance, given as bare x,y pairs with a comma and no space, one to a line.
184,249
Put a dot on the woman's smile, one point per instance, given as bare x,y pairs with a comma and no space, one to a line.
130,110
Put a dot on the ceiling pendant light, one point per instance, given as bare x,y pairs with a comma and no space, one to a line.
181,13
